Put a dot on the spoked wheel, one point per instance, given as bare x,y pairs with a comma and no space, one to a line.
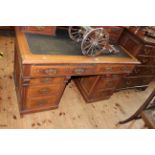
94,42
76,33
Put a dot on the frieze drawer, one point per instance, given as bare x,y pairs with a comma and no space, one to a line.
116,69
82,70
146,60
46,71
144,70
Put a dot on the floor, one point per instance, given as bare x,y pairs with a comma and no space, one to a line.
73,112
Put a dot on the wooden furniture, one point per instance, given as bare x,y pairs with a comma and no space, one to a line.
114,33
44,64
143,48
6,27
146,111
47,30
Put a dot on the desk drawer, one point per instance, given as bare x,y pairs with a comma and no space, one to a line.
47,90
47,80
47,30
116,69
146,60
41,102
143,70
135,81
83,70
46,71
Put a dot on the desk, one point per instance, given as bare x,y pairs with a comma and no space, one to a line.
44,65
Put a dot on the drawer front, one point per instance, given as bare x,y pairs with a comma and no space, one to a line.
45,71
143,70
41,102
130,43
148,50
115,69
146,60
48,30
43,81
46,90
132,82
82,70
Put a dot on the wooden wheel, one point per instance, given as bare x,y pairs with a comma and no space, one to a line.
94,42
76,33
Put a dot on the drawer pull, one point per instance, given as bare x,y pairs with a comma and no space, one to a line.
44,91
109,69
125,69
45,80
50,71
79,70
40,28
41,102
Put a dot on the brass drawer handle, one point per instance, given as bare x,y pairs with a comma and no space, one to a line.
41,102
126,69
51,71
109,69
40,28
79,70
44,91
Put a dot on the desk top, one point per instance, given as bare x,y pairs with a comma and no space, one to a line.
40,49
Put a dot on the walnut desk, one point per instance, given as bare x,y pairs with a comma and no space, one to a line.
44,64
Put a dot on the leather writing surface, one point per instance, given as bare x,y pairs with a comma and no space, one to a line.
60,44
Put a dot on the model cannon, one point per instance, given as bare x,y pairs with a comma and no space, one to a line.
94,41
